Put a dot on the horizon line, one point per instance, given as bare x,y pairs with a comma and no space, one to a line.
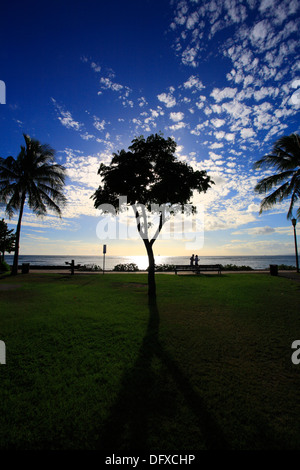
167,256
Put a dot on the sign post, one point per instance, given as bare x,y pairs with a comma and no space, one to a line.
104,252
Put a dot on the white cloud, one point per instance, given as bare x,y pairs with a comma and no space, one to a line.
95,67
65,117
193,81
83,169
256,231
200,104
224,93
176,127
87,136
99,125
295,99
218,122
219,134
296,83
260,31
230,136
237,110
93,64
247,133
216,108
192,20
79,200
253,207
142,101
265,91
107,84
216,145
189,55
214,156
168,99
176,116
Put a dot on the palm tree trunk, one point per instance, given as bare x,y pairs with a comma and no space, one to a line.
14,271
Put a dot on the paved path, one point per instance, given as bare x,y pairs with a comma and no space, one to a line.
287,274
290,275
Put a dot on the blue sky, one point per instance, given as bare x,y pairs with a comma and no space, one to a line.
220,76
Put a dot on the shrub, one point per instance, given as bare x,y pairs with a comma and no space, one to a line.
285,267
4,267
88,267
85,267
234,267
129,267
164,267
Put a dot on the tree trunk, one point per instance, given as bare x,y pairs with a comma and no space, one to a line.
143,231
14,271
151,270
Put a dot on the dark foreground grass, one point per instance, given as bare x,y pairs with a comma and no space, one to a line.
90,365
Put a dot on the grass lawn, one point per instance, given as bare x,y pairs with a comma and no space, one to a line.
91,366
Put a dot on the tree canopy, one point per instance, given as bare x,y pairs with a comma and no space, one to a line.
149,174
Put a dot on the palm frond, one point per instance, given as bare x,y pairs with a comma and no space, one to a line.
53,174
43,194
277,196
13,202
285,160
285,156
51,203
35,173
268,183
288,147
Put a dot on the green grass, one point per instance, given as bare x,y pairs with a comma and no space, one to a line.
91,366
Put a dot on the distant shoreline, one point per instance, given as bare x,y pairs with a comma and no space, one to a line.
63,261
159,256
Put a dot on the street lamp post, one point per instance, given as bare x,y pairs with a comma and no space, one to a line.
294,222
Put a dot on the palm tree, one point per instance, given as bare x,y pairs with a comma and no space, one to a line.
33,177
285,159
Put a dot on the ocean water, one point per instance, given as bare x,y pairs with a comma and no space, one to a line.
255,262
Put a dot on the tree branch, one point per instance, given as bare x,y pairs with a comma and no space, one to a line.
162,220
143,234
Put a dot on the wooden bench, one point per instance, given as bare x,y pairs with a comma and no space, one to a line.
199,268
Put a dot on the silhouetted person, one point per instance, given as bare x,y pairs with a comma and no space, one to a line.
192,260
196,260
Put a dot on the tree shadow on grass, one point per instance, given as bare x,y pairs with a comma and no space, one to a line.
127,426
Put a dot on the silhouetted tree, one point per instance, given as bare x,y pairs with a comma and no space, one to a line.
285,161
7,239
149,174
33,177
